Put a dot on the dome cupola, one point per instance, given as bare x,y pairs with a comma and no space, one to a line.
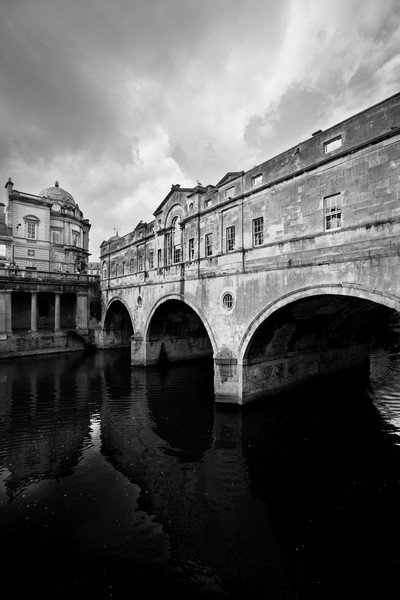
57,194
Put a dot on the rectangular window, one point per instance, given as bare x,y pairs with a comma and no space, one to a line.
191,249
3,251
177,254
131,265
256,180
55,236
333,212
76,238
230,192
159,259
140,262
168,247
208,241
31,229
230,238
333,144
207,203
258,231
151,260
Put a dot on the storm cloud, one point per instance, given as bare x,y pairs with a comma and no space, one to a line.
120,100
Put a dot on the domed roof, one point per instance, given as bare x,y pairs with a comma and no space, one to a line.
57,193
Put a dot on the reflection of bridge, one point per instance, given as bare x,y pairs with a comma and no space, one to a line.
281,273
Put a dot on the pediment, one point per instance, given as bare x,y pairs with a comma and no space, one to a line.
230,176
175,191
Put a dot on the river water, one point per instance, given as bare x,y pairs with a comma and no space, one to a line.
116,481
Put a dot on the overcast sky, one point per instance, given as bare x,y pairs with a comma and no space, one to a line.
120,99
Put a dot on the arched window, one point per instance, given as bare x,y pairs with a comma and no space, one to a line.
104,270
176,240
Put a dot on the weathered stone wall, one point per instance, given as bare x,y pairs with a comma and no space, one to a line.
299,256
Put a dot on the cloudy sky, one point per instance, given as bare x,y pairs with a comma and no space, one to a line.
120,99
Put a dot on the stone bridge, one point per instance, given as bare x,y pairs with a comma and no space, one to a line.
281,274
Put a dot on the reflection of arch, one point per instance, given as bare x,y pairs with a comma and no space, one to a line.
191,305
344,289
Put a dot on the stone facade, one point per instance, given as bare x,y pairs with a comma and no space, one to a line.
307,239
49,231
45,291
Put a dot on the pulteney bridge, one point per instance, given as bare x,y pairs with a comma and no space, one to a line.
281,273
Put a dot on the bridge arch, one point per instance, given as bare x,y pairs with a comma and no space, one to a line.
176,329
312,332
343,290
117,324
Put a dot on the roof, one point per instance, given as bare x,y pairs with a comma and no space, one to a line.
58,194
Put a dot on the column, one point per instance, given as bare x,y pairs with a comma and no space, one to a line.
8,307
82,312
3,314
57,311
33,312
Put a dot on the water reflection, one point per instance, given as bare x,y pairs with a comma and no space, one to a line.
112,478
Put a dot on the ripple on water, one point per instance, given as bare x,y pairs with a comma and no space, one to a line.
385,388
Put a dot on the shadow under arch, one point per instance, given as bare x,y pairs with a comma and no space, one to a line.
312,333
176,329
117,325
345,290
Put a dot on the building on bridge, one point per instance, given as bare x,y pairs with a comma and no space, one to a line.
45,291
93,268
280,273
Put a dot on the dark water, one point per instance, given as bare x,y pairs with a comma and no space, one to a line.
117,481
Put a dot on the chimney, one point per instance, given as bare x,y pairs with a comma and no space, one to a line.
9,187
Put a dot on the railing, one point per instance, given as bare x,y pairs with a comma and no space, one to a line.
15,273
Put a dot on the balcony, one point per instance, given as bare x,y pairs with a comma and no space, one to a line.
15,274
